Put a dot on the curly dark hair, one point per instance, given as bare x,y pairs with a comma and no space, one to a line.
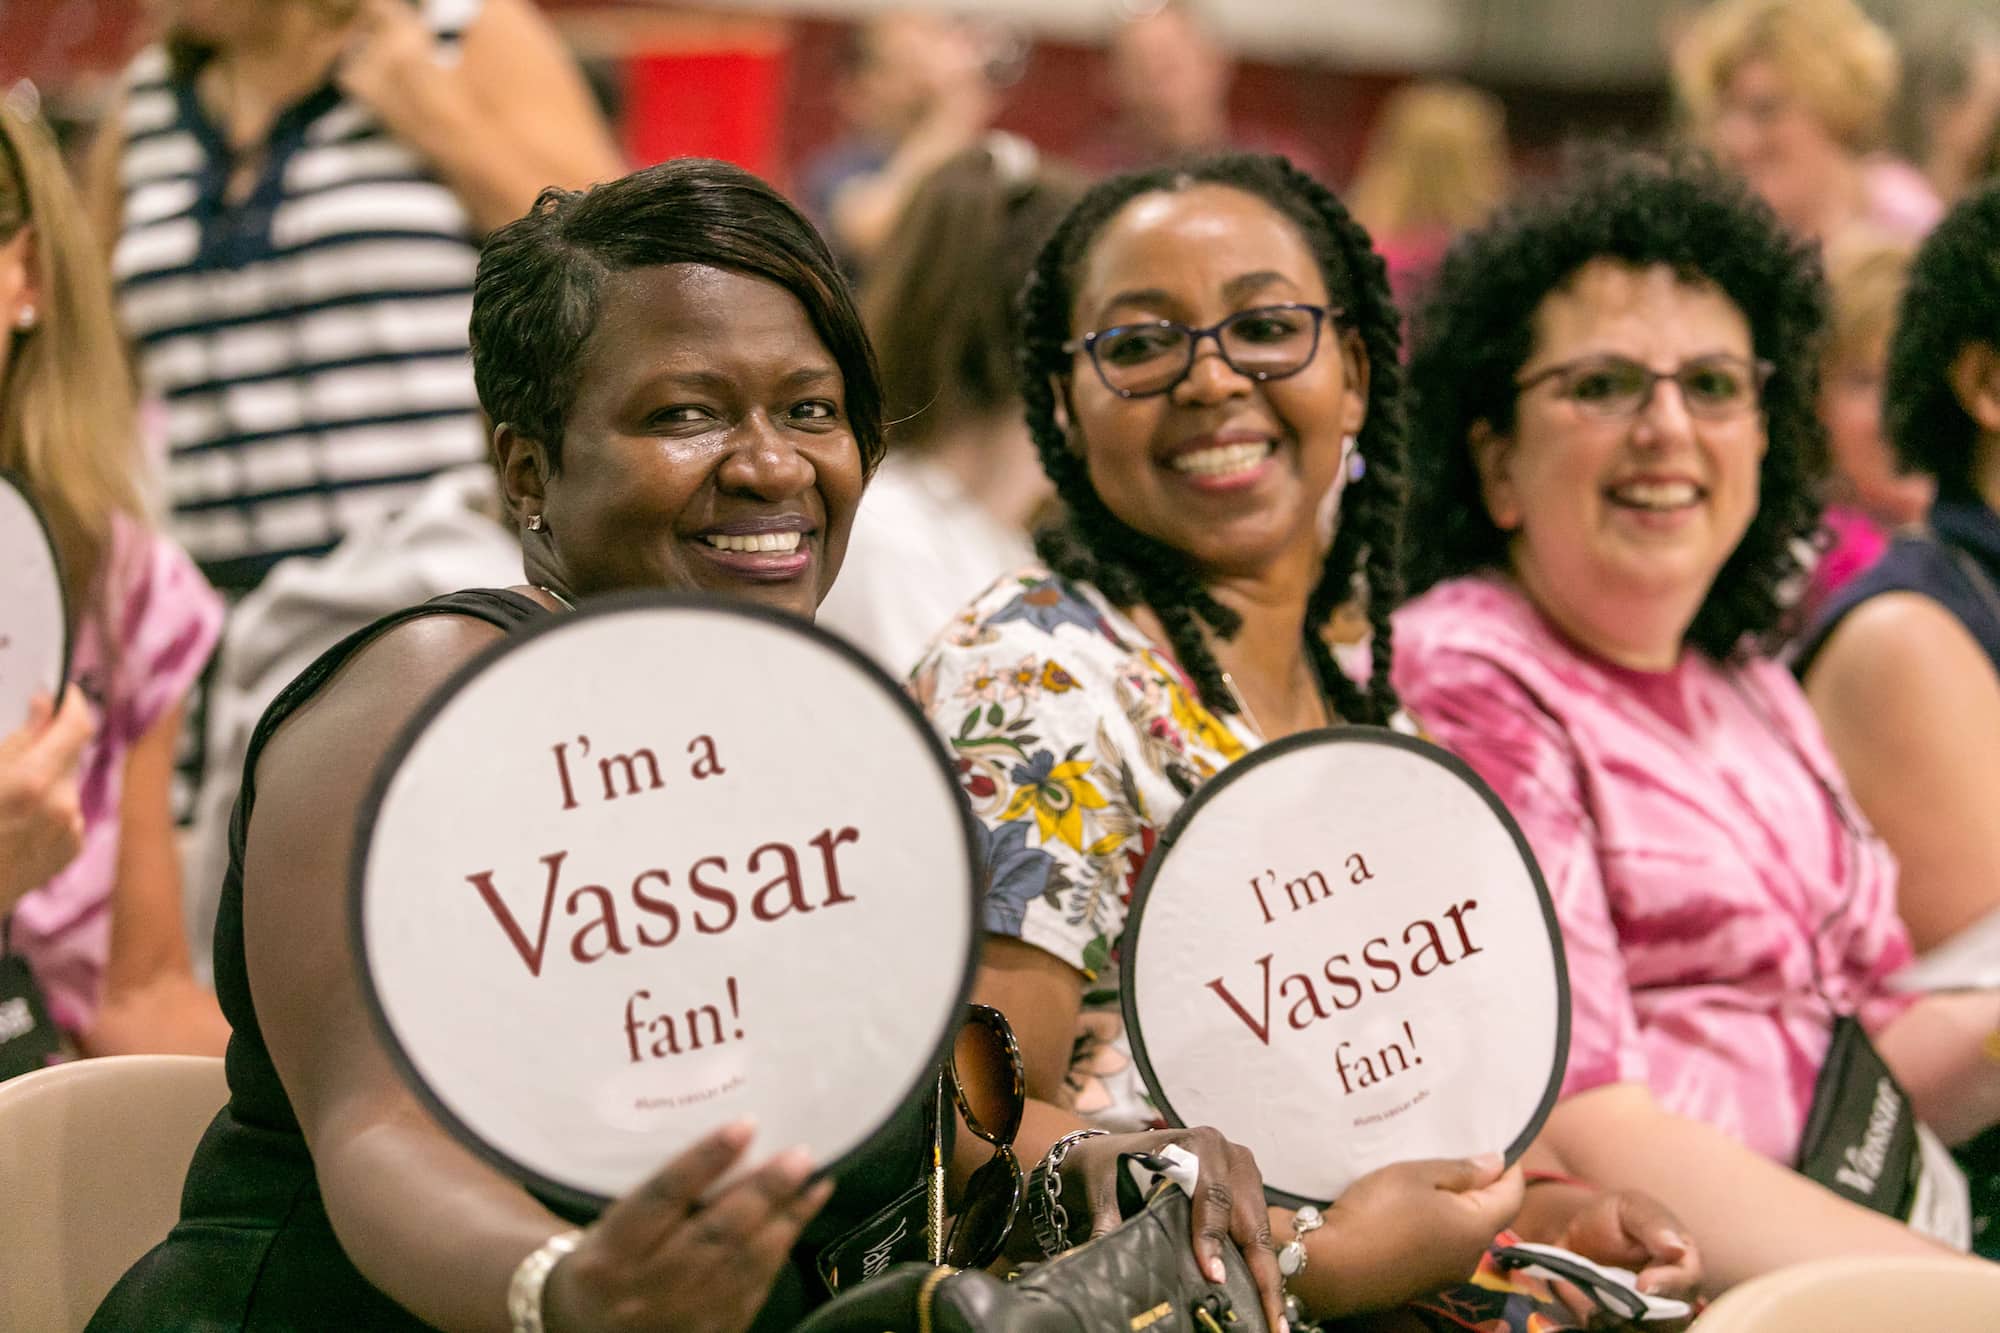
1093,545
540,284
1477,331
1953,299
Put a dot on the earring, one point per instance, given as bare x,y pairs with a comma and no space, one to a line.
534,522
26,318
1350,456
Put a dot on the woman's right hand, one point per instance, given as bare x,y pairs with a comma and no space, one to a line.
663,1257
1228,1200
41,819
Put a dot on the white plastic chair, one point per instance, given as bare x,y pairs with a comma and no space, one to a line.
1940,1295
92,1157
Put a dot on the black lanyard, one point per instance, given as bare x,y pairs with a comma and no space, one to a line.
1854,845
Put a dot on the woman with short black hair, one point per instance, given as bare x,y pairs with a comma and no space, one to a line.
651,381
672,359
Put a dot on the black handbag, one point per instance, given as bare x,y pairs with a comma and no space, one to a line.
1141,1276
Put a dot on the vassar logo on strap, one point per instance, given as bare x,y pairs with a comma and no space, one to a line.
1863,1142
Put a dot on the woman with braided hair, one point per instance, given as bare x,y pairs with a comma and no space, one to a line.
1210,373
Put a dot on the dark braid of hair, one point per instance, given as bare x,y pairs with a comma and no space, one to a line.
1091,544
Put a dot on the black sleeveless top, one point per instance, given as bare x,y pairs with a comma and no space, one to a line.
1956,563
254,1248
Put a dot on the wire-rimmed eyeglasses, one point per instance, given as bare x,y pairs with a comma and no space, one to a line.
1714,388
1266,342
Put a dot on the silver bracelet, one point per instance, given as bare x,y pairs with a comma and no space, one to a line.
1292,1261
524,1292
1045,1206
1292,1258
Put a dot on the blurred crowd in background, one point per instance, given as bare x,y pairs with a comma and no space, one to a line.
289,198
240,246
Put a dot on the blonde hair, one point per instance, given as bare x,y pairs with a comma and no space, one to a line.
1841,64
66,418
1437,158
1866,273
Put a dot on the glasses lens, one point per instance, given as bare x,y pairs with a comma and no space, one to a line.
1141,358
987,1074
1270,341
992,1197
1612,386
1717,387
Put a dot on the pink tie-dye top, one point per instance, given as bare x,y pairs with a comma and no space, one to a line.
1706,860
166,619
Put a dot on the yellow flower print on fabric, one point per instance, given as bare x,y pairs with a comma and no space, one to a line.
1056,680
1056,794
1201,726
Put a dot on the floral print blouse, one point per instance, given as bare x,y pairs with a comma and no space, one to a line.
1077,740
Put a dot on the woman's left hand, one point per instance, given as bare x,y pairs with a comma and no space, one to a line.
1228,1200
1630,1230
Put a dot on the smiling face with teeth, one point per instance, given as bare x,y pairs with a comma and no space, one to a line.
707,449
1227,469
1619,525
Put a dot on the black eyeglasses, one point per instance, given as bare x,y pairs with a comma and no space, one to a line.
1267,342
1713,388
990,1086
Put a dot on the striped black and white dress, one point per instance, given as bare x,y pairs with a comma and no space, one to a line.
307,346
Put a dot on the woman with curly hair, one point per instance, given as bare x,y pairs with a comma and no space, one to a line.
1210,372
1903,667
1614,409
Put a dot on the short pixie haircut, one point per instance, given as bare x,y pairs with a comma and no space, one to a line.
1479,330
540,286
1837,60
1953,300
